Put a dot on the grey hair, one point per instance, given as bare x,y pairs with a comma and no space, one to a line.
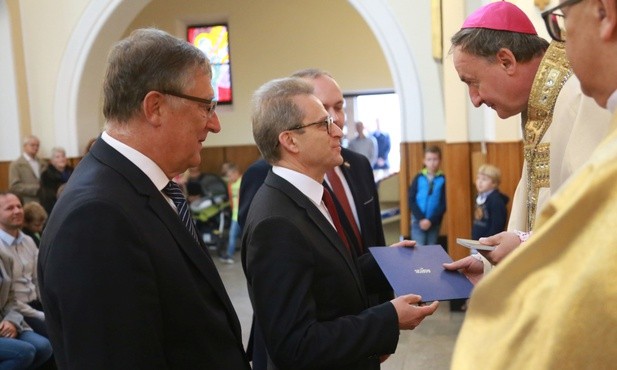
148,60
311,73
274,111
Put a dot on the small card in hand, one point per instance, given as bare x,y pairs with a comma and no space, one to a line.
474,244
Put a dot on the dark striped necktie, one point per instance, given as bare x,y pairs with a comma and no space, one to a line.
173,191
329,203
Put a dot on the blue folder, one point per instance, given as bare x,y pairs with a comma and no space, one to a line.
419,270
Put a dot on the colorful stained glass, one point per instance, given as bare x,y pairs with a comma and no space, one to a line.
213,40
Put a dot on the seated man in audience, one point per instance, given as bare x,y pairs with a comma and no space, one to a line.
24,253
20,347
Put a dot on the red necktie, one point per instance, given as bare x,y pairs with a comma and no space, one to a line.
329,202
339,191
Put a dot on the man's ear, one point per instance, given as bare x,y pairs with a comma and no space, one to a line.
606,12
506,59
153,107
288,142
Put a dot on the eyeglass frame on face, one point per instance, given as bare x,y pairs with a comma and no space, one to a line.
210,103
328,121
549,14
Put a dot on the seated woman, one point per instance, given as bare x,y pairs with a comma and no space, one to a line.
20,347
56,174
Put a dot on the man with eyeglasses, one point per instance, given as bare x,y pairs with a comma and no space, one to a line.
308,287
550,305
356,177
512,70
125,281
355,173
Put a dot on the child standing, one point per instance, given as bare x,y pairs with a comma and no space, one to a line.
427,199
234,179
490,214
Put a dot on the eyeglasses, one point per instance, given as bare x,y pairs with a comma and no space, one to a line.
209,105
554,20
328,121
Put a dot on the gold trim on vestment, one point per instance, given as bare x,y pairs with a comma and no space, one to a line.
553,72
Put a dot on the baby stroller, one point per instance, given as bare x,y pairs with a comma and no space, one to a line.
211,210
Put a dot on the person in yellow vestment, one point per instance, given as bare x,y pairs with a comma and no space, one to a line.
550,304
509,68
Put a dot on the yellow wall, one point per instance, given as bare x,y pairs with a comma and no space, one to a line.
45,29
271,39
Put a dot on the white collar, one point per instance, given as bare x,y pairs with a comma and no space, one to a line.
147,165
611,103
306,185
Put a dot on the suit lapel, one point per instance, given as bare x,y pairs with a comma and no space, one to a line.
315,215
196,253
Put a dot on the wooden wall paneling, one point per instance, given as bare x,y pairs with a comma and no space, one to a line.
4,176
509,158
211,159
243,155
457,167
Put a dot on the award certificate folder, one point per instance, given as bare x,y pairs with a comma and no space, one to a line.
418,270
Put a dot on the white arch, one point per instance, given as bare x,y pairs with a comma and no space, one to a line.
9,107
92,33
380,19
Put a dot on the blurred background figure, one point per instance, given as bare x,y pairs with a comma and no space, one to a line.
56,174
234,179
20,347
383,148
427,199
192,183
25,171
35,217
491,213
24,254
363,144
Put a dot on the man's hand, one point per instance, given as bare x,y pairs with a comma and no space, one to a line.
425,224
8,329
472,268
504,242
405,243
409,314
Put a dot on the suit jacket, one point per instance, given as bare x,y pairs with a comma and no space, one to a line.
8,304
124,284
307,290
359,176
23,181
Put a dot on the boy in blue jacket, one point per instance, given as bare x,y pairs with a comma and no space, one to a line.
427,199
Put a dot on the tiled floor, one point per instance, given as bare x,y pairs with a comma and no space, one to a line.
427,347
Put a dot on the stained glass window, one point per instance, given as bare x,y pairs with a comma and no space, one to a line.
213,40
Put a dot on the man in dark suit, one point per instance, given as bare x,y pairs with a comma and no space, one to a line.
125,283
356,171
308,288
357,177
